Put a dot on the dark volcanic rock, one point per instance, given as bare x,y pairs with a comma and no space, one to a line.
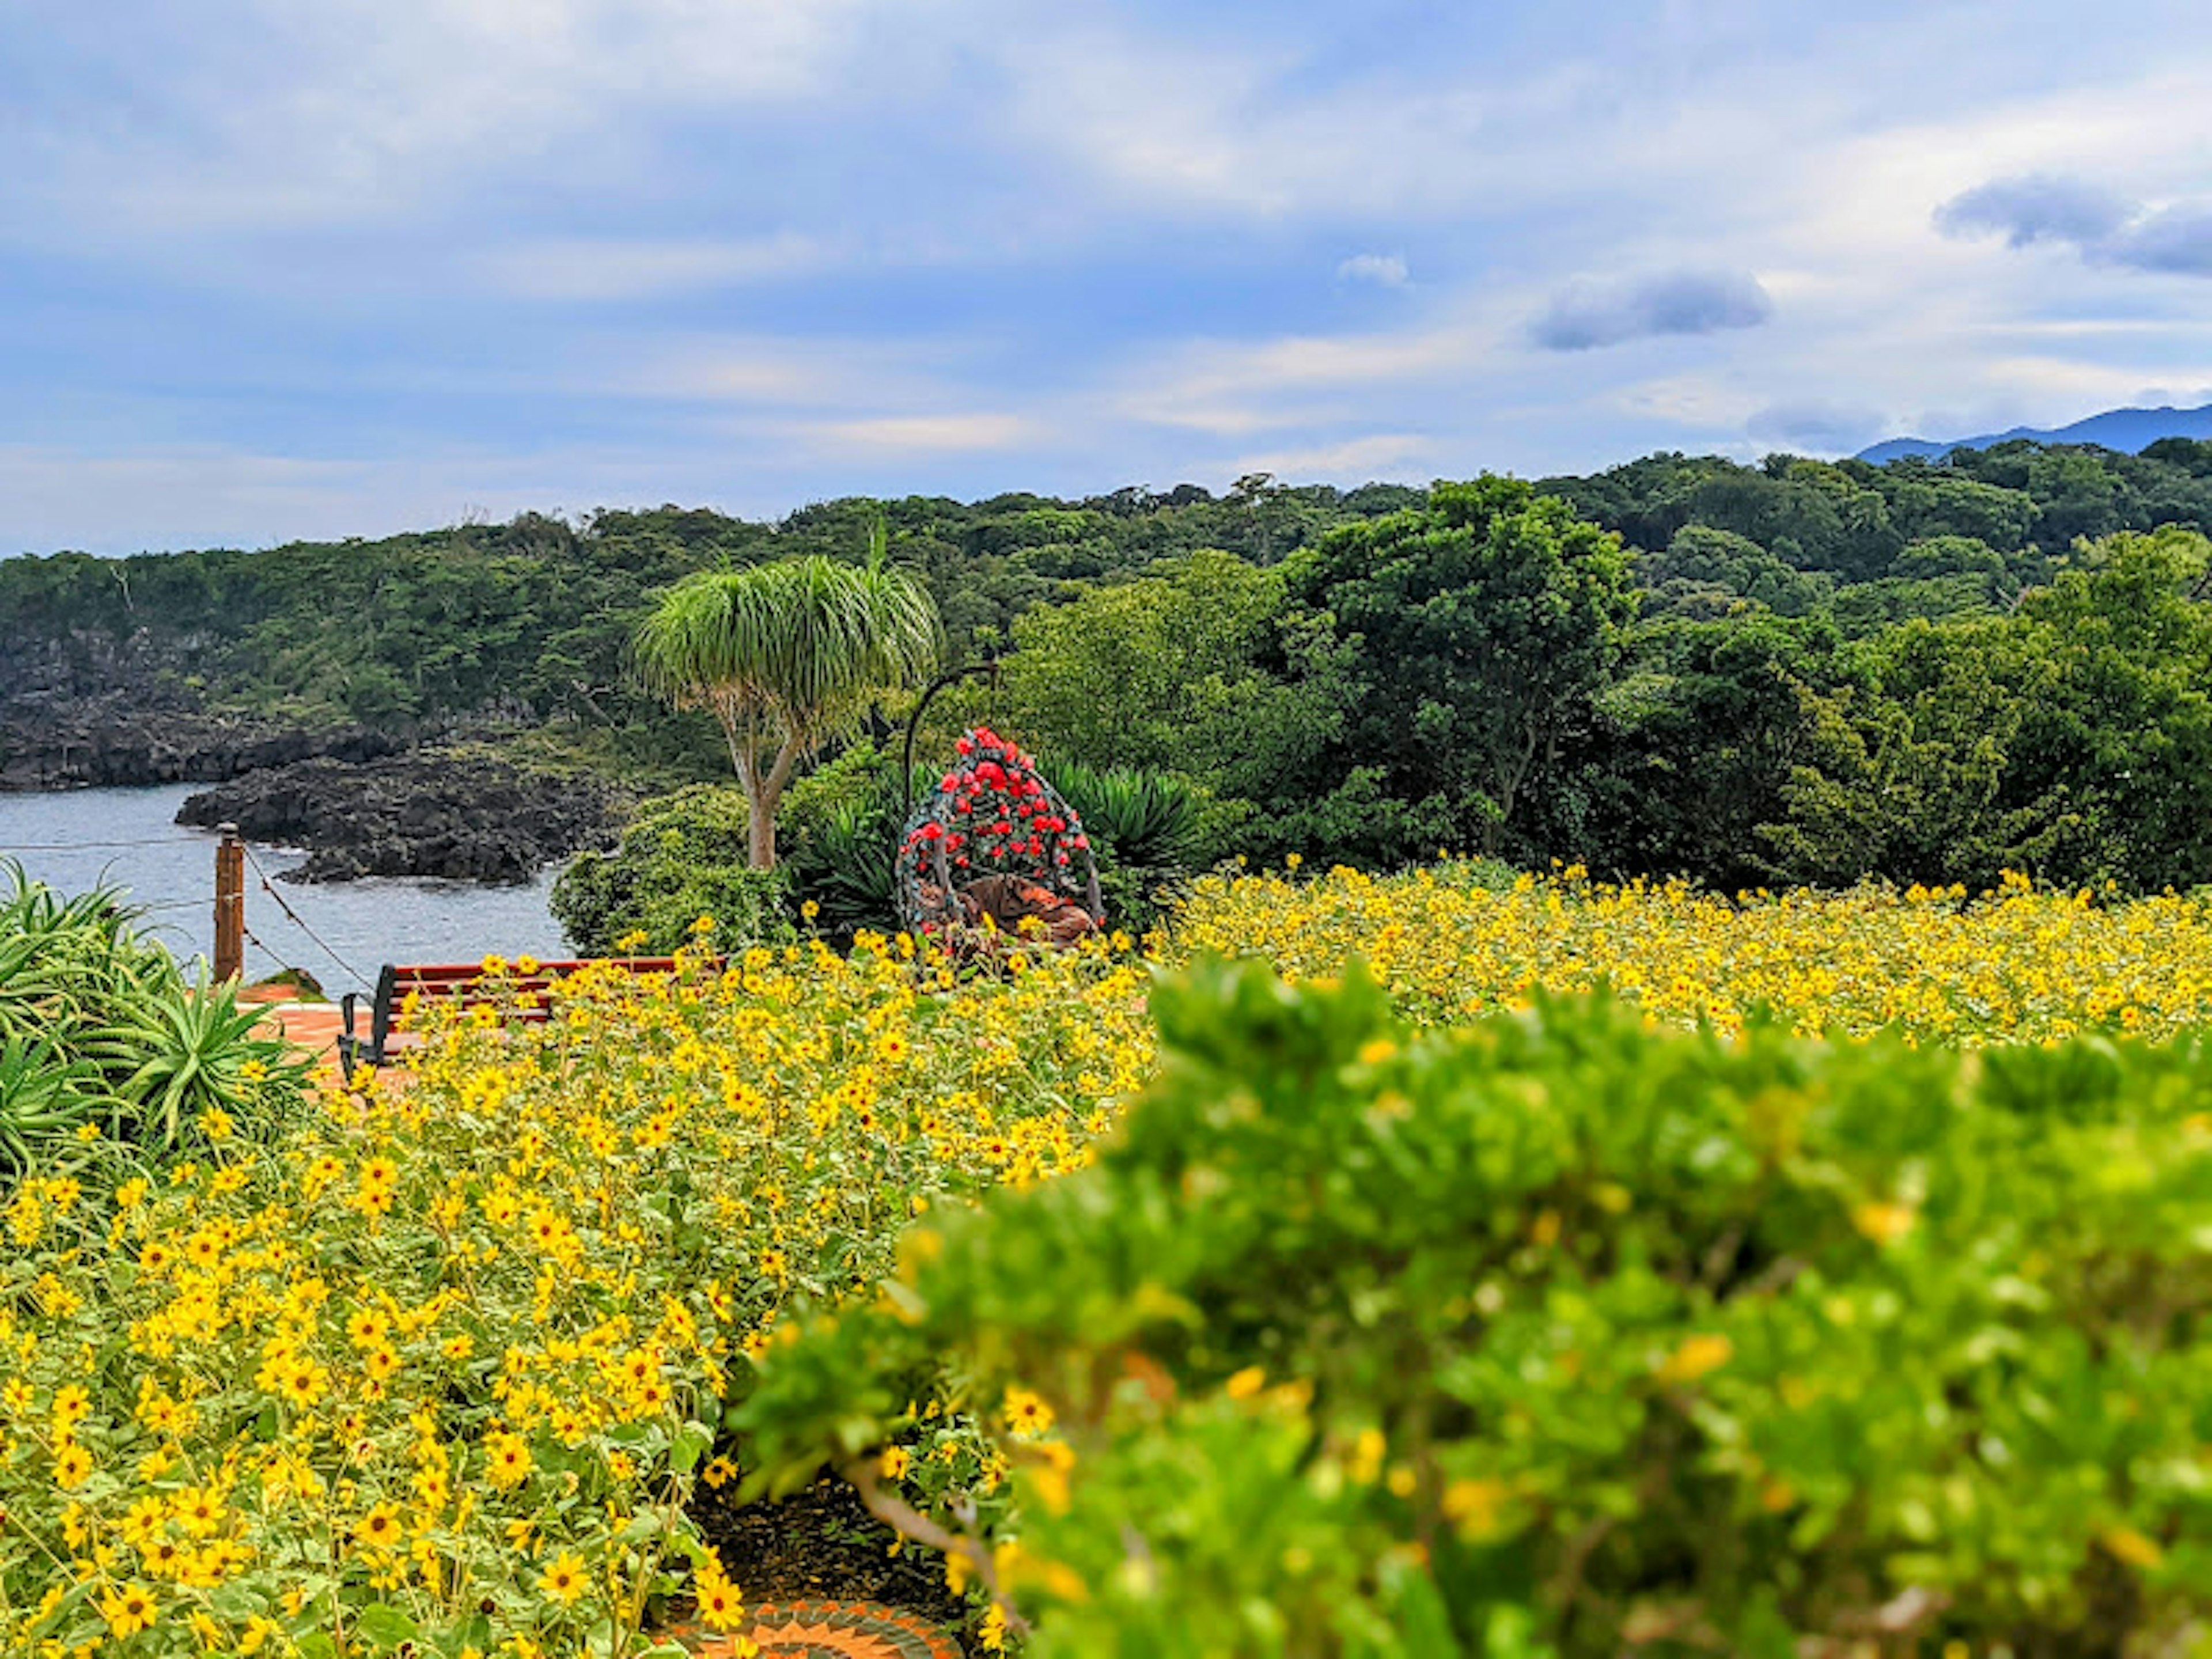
423,814
91,710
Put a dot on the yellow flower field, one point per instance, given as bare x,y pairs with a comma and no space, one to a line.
2020,964
443,1365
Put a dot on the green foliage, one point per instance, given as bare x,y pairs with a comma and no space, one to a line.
682,857
1158,630
105,1046
1150,832
1149,671
2071,738
1480,630
1692,750
1704,573
845,820
787,656
1552,1336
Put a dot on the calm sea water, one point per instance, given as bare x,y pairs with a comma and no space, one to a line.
74,839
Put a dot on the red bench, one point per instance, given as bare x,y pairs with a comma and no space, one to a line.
466,983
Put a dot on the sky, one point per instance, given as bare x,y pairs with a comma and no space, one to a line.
272,269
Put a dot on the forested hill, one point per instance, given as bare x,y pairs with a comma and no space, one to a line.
530,616
1762,694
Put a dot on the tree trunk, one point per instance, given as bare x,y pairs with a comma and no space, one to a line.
760,830
763,795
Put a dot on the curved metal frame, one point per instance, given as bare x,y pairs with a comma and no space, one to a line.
913,722
913,911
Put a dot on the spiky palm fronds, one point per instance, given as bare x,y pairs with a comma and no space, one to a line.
787,655
794,648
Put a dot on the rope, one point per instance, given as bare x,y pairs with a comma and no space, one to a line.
254,939
75,846
293,916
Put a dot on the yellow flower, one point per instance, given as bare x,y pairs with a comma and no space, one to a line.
1885,1223
564,1581
72,1463
1026,1414
507,1459
721,1605
1698,1356
128,1610
380,1529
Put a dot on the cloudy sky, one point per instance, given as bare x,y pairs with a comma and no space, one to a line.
271,269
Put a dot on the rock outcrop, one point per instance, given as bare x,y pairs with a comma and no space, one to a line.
428,813
92,711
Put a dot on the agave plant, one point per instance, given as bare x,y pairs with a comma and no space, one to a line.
46,1098
1149,829
177,1051
99,1028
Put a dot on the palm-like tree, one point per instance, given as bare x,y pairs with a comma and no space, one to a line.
787,655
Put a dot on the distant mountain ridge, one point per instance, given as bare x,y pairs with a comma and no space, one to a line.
2128,430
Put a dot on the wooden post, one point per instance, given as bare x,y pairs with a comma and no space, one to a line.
229,904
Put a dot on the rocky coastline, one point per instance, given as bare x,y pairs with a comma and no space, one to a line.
91,711
457,817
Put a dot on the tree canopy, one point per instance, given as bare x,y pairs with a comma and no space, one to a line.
785,655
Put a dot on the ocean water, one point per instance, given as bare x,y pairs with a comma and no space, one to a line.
343,931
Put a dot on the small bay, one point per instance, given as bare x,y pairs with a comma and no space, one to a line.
73,839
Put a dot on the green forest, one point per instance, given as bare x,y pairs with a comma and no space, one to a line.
1797,672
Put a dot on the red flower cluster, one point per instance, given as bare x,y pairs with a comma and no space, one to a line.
994,813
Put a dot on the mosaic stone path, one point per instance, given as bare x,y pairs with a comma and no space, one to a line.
827,1630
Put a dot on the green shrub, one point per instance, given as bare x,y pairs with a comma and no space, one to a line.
843,824
105,1046
1554,1335
682,857
1152,831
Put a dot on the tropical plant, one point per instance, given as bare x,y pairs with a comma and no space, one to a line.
46,1097
1552,1337
1151,832
103,1039
785,655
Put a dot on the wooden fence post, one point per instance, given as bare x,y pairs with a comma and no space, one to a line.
229,904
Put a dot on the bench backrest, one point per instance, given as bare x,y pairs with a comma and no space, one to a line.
467,983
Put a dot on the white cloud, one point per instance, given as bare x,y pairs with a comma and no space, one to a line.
348,111
767,369
580,268
1393,455
929,434
1383,270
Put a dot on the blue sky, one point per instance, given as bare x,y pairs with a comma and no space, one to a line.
274,269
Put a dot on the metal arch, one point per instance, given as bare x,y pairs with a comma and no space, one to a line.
914,723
